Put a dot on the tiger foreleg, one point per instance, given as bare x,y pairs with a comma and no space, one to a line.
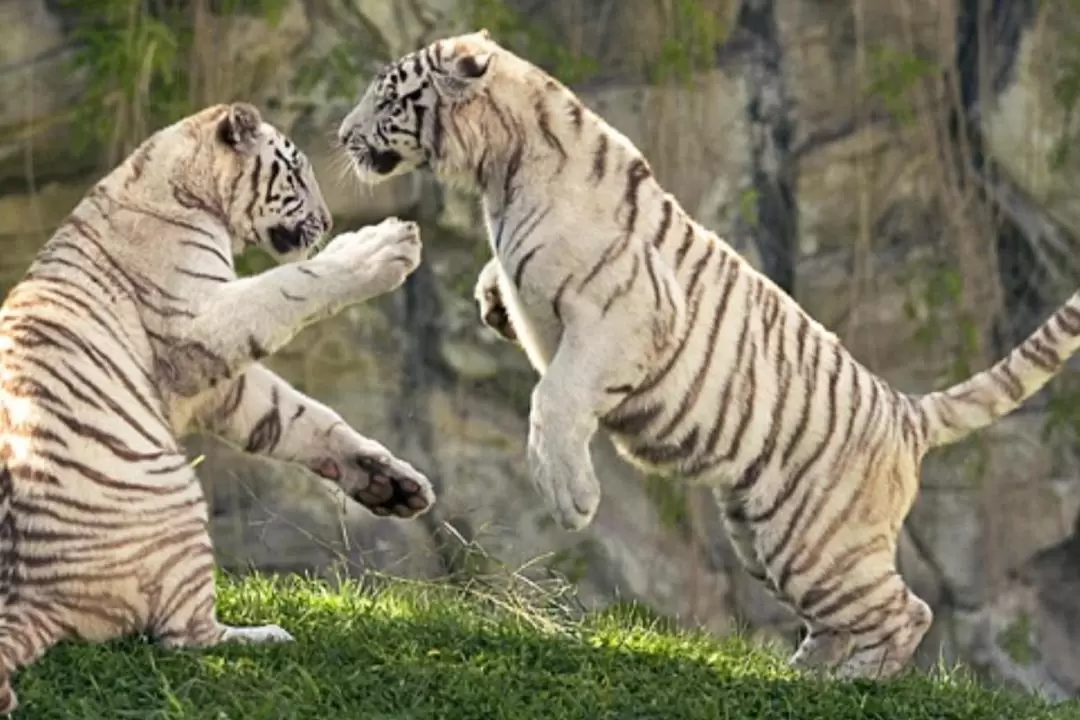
262,413
250,318
567,402
489,302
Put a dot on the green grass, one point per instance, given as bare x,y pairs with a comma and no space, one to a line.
409,651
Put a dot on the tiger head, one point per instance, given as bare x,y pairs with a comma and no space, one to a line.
406,117
270,196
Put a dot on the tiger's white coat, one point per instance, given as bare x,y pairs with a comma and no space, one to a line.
130,329
642,322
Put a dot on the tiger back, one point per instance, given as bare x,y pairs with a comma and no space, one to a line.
129,329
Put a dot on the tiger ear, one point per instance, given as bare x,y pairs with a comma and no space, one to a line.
240,127
464,74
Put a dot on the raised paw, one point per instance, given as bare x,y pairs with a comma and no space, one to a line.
257,634
489,302
384,484
379,256
394,488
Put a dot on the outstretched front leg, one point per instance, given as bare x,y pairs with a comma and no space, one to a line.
262,413
489,302
248,319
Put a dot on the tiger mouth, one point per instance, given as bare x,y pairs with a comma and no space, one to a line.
286,240
385,162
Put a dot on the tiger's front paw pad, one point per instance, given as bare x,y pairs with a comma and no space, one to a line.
383,484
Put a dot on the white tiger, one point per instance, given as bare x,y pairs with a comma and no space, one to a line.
131,328
643,323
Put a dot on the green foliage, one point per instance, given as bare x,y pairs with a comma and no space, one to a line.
1067,90
893,75
669,497
690,45
1015,640
412,651
521,36
136,56
692,33
748,206
933,304
338,70
573,562
1063,408
253,261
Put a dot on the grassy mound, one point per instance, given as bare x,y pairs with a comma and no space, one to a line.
408,651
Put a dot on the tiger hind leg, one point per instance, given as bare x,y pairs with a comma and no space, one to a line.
822,649
885,641
865,625
184,612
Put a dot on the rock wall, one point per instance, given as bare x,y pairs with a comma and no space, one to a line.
991,541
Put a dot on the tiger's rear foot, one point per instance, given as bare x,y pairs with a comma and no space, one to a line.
822,649
9,701
873,636
884,647
220,633
256,634
186,612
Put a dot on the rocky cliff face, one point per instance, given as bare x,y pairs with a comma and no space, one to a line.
899,249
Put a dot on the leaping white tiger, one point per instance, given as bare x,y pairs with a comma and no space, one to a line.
642,322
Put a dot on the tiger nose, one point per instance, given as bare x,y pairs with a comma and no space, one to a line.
343,135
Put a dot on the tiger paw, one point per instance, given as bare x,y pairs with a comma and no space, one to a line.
256,634
384,484
489,302
566,482
377,258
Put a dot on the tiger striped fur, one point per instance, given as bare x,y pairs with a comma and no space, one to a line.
129,329
643,323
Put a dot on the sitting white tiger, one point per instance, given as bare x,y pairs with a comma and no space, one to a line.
644,323
129,329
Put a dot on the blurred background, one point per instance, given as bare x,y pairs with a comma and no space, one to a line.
905,169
